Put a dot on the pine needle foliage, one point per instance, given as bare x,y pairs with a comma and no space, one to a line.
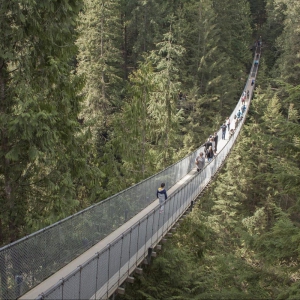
43,151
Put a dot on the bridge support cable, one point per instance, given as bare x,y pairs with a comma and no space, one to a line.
101,275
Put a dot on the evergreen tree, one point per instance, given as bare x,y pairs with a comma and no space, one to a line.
258,13
271,30
162,108
99,62
233,22
133,126
146,23
289,43
42,151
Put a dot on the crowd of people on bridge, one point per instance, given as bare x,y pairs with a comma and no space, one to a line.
211,145
228,127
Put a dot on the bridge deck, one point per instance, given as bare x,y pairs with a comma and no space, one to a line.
52,280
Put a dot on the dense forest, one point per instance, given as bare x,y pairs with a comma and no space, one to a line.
89,96
89,106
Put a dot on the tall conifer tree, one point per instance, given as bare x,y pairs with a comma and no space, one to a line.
134,129
163,107
42,152
99,61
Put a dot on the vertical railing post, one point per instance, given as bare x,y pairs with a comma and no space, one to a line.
97,274
192,205
107,289
126,214
120,262
150,250
79,289
129,253
146,232
137,244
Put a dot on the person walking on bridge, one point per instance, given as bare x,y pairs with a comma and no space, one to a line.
243,99
200,161
243,109
239,115
236,122
162,196
212,140
210,154
228,123
223,131
207,145
216,142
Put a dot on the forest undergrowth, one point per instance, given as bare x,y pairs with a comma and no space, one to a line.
241,241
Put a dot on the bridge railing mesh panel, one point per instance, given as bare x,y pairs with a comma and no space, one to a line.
131,248
27,262
39,255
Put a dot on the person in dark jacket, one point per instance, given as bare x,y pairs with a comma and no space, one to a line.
216,141
162,196
223,127
210,154
207,145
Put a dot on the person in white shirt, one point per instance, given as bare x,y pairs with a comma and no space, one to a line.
228,123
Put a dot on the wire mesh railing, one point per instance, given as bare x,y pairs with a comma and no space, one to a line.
28,261
103,273
41,254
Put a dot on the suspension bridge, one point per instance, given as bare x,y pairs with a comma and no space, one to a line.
91,254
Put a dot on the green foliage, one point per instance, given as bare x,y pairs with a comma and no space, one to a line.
162,108
292,292
73,132
288,42
281,243
172,279
100,63
134,128
258,13
243,240
43,152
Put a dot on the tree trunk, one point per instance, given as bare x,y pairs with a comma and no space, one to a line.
7,188
125,62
